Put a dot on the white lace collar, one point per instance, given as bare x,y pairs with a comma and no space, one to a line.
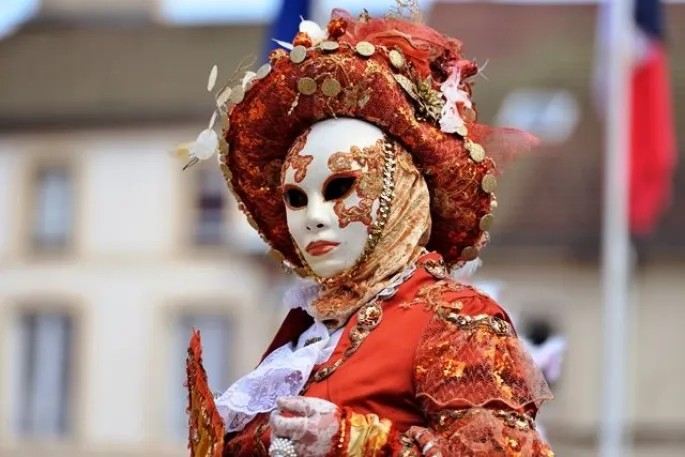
284,372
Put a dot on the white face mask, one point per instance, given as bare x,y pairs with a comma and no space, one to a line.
331,185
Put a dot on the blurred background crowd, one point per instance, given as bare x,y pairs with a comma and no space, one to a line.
110,254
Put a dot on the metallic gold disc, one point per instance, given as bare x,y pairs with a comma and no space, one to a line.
263,71
470,114
476,151
223,147
226,172
469,253
277,255
486,222
252,223
489,183
331,87
396,59
306,86
462,131
330,45
366,49
298,54
237,94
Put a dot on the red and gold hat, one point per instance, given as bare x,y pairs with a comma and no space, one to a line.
396,73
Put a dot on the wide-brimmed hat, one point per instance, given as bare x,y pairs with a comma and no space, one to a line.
400,75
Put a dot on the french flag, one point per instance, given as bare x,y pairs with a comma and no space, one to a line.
286,24
652,137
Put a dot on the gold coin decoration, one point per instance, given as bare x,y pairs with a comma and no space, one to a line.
476,151
469,253
396,59
462,131
277,255
306,86
263,71
226,171
223,146
486,222
331,87
470,114
298,54
489,183
252,223
364,48
330,45
237,94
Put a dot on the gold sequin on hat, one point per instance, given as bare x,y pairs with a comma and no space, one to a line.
469,253
330,46
331,87
486,222
489,183
306,86
364,48
237,95
396,59
476,151
263,71
298,54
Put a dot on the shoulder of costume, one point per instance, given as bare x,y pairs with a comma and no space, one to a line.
433,290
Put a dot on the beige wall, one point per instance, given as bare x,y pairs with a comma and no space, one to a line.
109,8
129,274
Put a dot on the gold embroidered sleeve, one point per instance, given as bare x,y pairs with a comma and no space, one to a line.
467,361
478,385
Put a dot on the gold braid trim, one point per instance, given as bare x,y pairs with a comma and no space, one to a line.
368,434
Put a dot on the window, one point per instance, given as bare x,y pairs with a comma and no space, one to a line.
210,222
43,398
52,208
215,331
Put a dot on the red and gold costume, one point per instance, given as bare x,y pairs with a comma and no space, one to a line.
442,356
425,365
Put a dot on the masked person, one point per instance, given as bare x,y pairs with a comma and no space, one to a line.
357,156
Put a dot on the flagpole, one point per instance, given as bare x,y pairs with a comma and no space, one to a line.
616,231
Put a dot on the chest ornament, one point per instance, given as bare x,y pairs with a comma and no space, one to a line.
369,317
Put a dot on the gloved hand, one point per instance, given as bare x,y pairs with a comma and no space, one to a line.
425,440
310,423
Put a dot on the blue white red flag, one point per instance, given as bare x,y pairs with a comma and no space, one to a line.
652,132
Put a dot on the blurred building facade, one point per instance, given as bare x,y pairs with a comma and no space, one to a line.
109,254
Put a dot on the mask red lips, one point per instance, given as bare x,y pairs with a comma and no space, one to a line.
322,247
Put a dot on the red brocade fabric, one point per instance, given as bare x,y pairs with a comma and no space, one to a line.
481,432
457,369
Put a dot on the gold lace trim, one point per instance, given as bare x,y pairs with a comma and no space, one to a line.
520,421
497,325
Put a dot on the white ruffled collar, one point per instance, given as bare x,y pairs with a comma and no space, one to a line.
284,372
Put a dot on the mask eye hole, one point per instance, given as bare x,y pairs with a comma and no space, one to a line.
294,197
339,187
